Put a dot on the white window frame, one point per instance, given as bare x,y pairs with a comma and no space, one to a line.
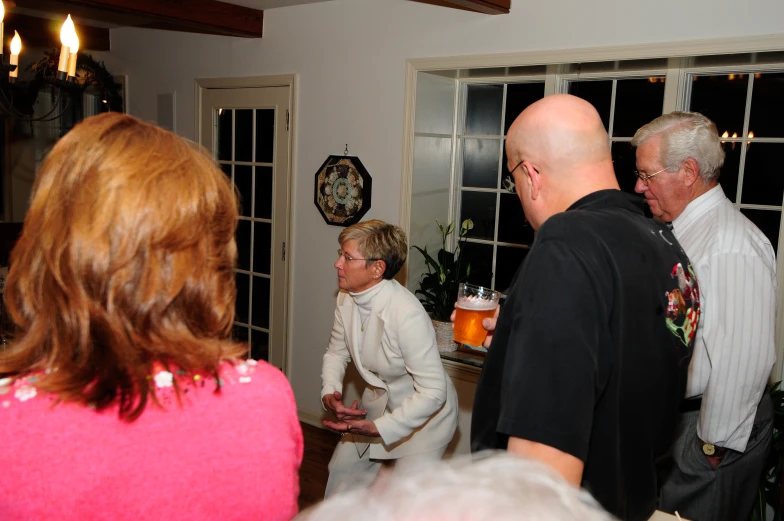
677,74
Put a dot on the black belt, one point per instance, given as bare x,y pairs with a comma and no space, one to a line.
691,404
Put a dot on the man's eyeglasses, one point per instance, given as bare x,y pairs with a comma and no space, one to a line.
644,178
349,258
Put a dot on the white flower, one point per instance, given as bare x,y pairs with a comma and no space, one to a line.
349,204
332,177
164,379
244,379
328,189
354,192
25,393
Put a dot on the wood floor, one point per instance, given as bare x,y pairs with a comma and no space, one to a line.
319,444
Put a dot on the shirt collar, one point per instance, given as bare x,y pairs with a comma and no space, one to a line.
698,207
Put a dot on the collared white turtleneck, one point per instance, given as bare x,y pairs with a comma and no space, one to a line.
364,302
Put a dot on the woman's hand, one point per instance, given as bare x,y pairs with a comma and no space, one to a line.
334,403
362,427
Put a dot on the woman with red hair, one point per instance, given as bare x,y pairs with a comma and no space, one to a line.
122,395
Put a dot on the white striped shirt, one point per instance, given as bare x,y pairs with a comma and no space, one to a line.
734,350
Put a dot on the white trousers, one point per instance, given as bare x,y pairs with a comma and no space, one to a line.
347,469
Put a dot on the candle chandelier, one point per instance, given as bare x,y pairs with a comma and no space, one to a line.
63,80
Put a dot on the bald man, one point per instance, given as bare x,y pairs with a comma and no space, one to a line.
589,359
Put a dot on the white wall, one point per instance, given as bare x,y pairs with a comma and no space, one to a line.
350,57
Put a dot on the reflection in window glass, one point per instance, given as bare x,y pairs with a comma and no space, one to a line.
480,256
722,98
596,92
480,162
480,208
624,164
637,102
507,262
763,182
767,105
768,221
483,109
728,177
512,225
518,97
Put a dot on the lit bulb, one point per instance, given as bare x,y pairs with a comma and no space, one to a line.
16,48
734,134
67,32
726,134
751,134
16,44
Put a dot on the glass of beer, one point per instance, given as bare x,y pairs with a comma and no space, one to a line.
474,303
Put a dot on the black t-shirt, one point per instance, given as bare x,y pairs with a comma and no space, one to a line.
592,348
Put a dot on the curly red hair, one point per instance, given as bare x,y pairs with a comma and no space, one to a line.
126,259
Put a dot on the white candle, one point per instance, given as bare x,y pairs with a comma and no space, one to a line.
16,48
73,48
2,15
66,36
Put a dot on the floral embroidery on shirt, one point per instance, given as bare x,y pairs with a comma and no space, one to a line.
23,388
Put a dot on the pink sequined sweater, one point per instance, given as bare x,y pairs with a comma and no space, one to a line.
234,455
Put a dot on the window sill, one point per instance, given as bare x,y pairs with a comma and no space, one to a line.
462,366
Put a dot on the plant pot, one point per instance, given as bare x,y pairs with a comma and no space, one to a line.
444,337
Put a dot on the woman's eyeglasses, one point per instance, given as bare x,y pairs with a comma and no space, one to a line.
349,258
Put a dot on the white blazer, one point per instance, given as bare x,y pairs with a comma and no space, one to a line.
408,395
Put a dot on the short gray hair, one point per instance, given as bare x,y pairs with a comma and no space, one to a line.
685,135
494,485
379,240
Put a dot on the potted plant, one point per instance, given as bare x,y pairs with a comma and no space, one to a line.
438,287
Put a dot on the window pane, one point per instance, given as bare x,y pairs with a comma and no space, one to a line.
259,345
722,99
480,257
262,247
729,172
261,302
507,261
480,208
518,97
243,245
768,221
226,167
763,182
224,135
483,109
597,93
637,102
767,105
244,182
243,135
243,297
240,334
512,225
624,164
265,135
480,162
263,203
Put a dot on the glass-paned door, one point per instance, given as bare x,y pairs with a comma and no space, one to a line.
246,130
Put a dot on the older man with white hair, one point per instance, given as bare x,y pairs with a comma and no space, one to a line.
725,428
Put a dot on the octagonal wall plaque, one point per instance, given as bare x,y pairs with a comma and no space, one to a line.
343,189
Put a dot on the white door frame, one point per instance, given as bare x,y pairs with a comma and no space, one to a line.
282,80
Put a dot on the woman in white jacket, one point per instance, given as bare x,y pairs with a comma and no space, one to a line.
409,407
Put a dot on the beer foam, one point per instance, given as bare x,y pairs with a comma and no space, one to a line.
476,304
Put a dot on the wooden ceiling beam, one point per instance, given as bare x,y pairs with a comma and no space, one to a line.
477,6
205,16
43,33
